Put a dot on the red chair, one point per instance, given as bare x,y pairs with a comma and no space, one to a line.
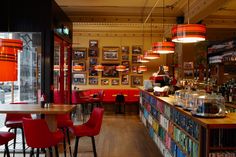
38,135
90,128
5,137
96,99
13,122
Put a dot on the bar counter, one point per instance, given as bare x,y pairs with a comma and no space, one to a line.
177,133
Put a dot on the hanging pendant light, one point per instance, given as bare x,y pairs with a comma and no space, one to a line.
141,59
99,67
77,68
142,68
188,33
120,68
163,47
9,49
151,55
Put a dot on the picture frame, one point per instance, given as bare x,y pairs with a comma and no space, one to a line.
188,73
105,82
78,62
125,49
134,69
137,49
188,65
93,52
93,43
125,79
136,80
93,80
92,71
134,59
79,53
110,70
125,63
125,57
79,78
115,82
110,53
93,61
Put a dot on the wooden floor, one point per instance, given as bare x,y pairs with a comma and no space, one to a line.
121,136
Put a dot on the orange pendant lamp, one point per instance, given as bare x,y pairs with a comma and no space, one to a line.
163,47
142,68
9,49
78,68
120,68
141,59
99,67
151,55
188,33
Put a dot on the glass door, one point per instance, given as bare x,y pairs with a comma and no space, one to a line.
61,72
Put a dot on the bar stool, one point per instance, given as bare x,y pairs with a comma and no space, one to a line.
13,122
90,128
5,137
38,135
120,100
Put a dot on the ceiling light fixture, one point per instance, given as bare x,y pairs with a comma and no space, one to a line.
188,33
120,68
142,68
99,67
151,55
78,68
163,47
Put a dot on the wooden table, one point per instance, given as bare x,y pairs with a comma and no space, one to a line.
50,113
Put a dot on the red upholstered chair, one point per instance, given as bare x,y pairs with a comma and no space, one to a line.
96,99
38,135
5,137
13,122
90,128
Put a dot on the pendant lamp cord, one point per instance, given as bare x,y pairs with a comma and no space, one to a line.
163,12
188,11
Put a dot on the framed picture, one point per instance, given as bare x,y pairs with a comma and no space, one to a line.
79,53
115,81
125,63
136,81
76,62
93,80
79,78
104,81
134,59
125,57
110,53
188,73
137,49
93,61
92,71
134,69
188,65
93,44
93,52
125,49
110,70
125,79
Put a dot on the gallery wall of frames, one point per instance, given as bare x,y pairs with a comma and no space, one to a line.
109,57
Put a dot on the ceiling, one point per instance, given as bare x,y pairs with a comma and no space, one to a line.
116,15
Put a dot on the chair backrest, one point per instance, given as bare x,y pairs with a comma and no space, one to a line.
16,116
37,133
120,98
95,120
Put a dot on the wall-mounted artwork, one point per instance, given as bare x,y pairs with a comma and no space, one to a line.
79,78
110,53
104,81
134,69
79,53
125,79
93,52
92,71
93,61
93,80
115,81
93,43
134,59
126,64
136,81
125,57
110,70
137,49
78,62
125,49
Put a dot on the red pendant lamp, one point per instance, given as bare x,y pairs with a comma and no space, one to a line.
163,47
78,68
151,55
141,59
188,33
120,68
9,49
142,68
99,67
